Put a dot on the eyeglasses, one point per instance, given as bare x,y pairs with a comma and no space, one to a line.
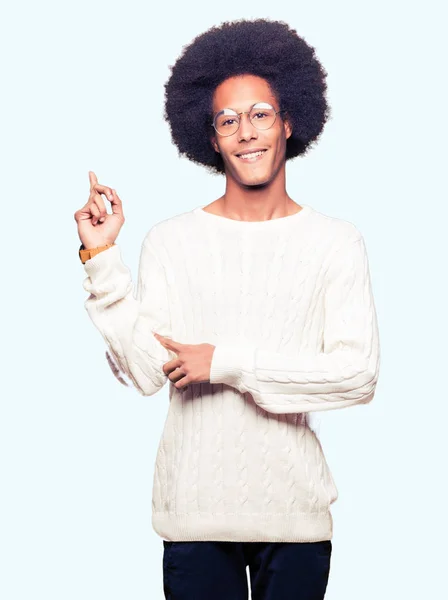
262,116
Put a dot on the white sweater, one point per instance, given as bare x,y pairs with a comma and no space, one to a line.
288,304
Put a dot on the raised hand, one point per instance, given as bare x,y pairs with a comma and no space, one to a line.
97,227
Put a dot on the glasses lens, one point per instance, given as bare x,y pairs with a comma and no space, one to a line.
262,115
226,122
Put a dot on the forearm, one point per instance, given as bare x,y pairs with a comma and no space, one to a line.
284,384
125,320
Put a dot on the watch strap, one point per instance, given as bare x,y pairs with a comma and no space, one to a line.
86,253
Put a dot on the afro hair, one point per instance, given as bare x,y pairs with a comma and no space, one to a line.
268,49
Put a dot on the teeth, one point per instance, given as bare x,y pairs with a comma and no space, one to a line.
252,155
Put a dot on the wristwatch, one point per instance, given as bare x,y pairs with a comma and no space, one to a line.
86,253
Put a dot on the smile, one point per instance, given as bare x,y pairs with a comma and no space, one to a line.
252,156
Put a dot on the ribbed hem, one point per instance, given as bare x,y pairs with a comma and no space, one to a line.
294,527
228,362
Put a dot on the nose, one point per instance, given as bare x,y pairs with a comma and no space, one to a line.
246,130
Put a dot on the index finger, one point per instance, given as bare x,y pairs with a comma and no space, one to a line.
92,179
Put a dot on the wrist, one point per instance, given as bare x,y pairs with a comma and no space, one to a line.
87,253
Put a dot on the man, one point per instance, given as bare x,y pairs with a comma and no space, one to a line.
258,311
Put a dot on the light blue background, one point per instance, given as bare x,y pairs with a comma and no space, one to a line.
83,90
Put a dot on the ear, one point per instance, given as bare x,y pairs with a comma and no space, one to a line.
288,126
214,143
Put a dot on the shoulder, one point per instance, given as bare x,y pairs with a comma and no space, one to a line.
334,230
162,232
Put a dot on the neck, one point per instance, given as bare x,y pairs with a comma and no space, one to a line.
257,203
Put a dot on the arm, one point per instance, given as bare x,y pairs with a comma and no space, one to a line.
125,319
343,374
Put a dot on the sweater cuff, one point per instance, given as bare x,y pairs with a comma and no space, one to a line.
229,362
110,257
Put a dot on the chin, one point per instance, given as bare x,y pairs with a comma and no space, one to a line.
251,177
256,185
255,177
254,181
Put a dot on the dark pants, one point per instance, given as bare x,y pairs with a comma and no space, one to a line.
217,570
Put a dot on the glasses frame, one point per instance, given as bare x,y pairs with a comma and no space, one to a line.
246,112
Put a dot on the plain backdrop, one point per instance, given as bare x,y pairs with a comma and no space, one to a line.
82,89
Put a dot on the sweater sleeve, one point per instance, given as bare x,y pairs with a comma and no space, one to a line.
126,318
343,374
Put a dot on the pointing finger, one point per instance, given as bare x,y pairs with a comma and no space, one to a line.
92,179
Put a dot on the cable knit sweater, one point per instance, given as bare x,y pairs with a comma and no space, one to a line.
289,306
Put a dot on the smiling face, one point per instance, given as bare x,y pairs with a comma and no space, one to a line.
240,93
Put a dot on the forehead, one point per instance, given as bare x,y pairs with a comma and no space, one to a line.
241,92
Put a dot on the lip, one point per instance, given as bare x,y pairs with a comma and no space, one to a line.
250,151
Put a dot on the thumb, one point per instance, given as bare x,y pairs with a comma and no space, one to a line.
117,206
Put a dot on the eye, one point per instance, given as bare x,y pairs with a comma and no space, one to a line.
229,121
259,115
226,121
